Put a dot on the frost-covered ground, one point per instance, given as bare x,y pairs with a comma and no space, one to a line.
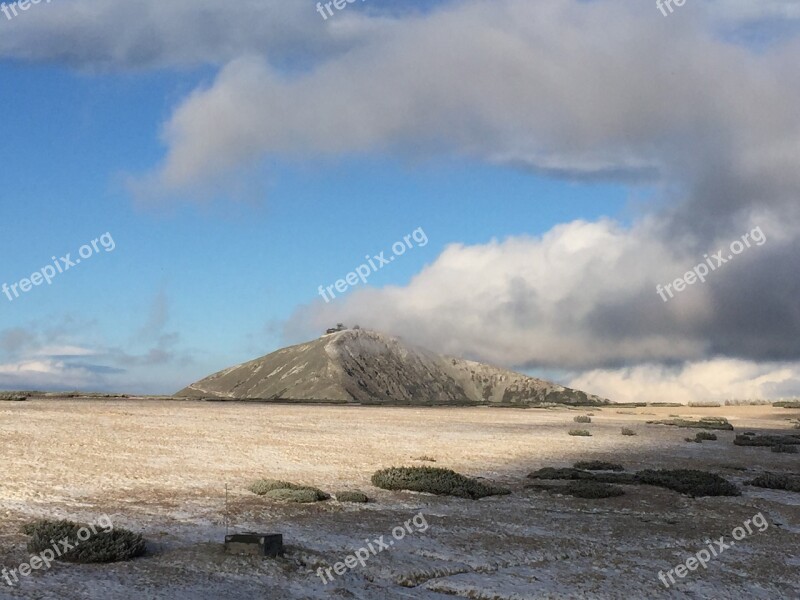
160,467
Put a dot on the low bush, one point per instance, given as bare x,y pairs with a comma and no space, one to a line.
709,404
580,432
433,480
102,546
705,436
598,465
784,448
777,481
628,431
302,495
424,458
766,440
569,474
583,419
787,404
591,490
275,489
703,423
689,481
352,496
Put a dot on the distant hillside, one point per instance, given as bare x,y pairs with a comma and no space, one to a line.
367,367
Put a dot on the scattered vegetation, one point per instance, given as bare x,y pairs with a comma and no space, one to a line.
777,481
433,480
749,439
592,490
598,465
628,431
570,474
784,448
102,546
424,458
705,436
704,404
352,496
580,432
787,404
703,423
284,491
666,404
690,482
583,419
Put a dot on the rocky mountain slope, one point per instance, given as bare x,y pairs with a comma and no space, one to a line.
367,367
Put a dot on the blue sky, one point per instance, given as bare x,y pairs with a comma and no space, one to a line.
237,179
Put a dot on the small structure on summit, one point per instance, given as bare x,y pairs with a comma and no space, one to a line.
339,327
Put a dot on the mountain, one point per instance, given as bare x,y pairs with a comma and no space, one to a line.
367,367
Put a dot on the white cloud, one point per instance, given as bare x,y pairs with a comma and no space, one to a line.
711,380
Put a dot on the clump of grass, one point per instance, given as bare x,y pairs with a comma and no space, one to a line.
784,448
777,481
703,423
689,481
424,458
787,404
766,440
352,496
580,432
570,474
628,431
303,495
592,490
598,465
102,546
583,419
433,480
275,489
705,436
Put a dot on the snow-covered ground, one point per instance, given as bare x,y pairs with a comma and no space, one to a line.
161,466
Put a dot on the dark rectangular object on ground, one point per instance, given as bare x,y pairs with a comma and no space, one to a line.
256,544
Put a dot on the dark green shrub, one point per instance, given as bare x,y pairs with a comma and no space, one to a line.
580,432
766,440
689,481
704,436
262,486
628,431
569,474
352,496
434,480
787,404
591,489
784,448
303,495
424,458
276,489
583,419
777,481
102,546
704,423
598,465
